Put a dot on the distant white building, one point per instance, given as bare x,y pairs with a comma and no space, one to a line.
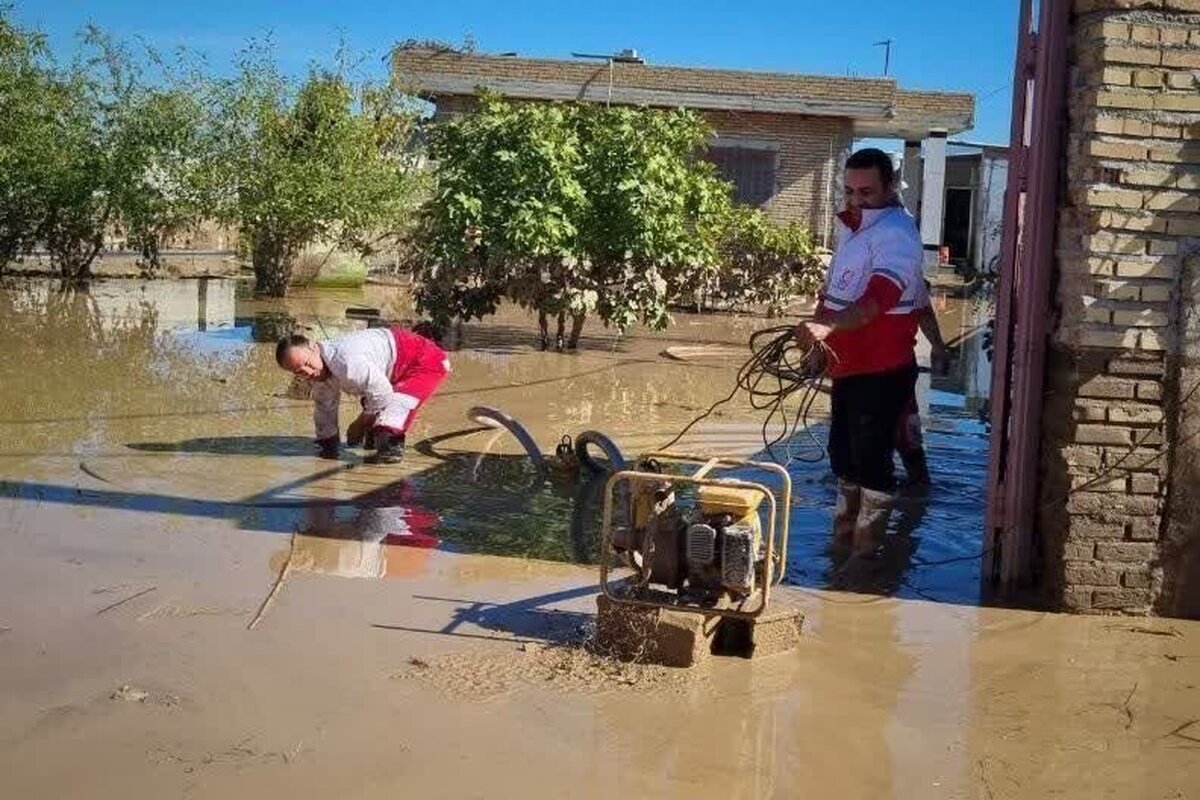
972,205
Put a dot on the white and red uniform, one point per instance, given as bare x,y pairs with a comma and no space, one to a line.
393,370
879,255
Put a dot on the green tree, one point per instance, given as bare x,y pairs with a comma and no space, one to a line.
89,150
292,165
503,218
26,133
567,210
655,209
763,263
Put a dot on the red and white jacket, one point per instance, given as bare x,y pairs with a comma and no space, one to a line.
372,364
879,256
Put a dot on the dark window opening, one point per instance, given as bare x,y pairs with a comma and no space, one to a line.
957,224
751,170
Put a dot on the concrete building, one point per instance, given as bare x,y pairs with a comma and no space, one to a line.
780,138
972,201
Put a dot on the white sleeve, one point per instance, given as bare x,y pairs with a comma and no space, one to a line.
325,409
897,256
367,380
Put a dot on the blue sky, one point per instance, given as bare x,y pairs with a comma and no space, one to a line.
966,45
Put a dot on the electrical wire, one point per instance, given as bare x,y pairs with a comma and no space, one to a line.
778,369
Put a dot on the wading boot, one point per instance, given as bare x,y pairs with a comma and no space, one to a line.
389,448
916,471
845,516
872,522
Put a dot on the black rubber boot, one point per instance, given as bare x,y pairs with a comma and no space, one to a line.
915,469
389,448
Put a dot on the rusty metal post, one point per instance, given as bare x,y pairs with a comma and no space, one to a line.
1023,301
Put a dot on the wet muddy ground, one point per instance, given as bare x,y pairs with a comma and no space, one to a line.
154,480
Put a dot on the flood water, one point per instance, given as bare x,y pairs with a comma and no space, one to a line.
162,397
159,494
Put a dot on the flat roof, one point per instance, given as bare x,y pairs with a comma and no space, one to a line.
877,107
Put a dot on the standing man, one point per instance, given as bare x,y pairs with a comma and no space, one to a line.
867,318
910,442
393,370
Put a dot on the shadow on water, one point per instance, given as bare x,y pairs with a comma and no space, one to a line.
497,504
233,446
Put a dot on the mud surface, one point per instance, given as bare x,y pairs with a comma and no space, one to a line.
154,476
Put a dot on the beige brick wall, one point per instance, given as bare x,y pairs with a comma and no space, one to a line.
1128,231
647,76
811,150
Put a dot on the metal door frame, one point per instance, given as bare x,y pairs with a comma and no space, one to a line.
1023,297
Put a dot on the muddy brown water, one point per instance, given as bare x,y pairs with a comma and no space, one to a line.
155,481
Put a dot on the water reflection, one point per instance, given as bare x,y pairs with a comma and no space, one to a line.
174,374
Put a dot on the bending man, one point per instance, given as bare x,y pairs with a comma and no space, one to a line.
393,370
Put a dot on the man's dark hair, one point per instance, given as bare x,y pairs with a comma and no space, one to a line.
873,158
287,343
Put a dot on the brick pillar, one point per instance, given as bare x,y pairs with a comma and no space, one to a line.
1117,480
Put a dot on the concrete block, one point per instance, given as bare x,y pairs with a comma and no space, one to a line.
1125,551
1135,413
1173,37
1115,76
1143,318
1143,34
1182,103
1136,579
1160,268
1105,386
1183,227
1155,294
1125,366
1108,338
1144,529
1181,80
1149,390
1187,59
1114,198
1129,151
1092,574
1152,341
1121,599
673,638
1147,79
1190,180
1079,551
1116,54
1142,483
1172,201
1115,510
1129,100
1148,177
1083,456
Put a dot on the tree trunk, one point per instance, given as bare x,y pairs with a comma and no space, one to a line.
272,261
577,321
543,330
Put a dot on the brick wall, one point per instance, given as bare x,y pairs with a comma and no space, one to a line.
807,174
1128,233
417,62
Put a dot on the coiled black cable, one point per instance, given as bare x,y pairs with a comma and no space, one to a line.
778,369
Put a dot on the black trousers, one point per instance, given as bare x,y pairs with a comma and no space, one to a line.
862,434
